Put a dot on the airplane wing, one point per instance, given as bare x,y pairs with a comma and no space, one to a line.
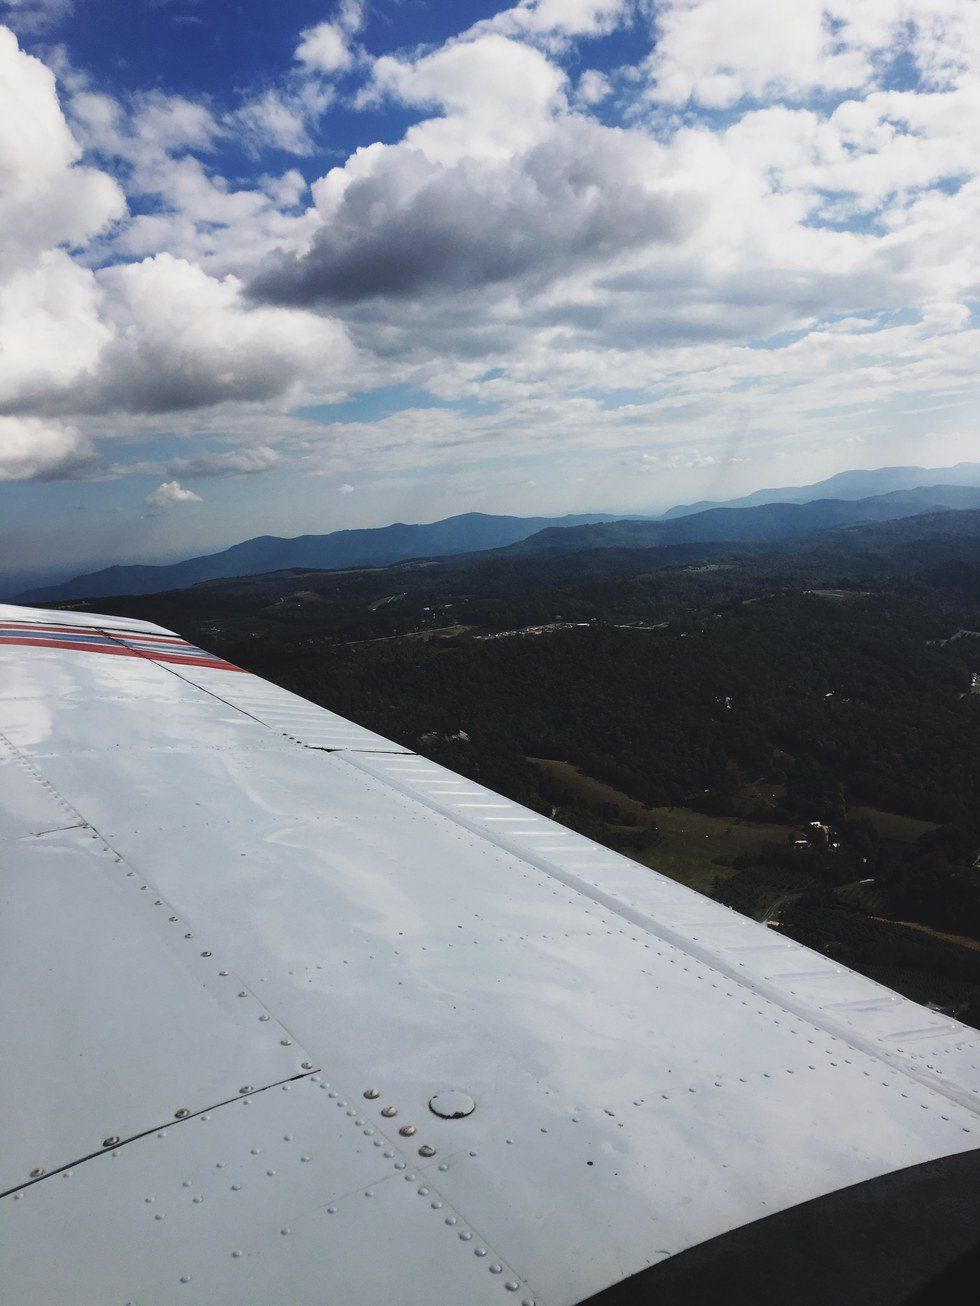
291,1014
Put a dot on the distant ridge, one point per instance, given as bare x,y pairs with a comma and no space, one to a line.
374,546
766,523
844,485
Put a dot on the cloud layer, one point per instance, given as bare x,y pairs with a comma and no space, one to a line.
718,238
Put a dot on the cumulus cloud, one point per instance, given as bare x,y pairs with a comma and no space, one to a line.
730,234
152,336
326,47
47,198
712,52
171,493
503,185
554,22
33,449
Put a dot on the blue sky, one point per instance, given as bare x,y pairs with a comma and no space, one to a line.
285,268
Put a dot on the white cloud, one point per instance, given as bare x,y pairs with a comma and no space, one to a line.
346,488
46,197
171,493
326,47
561,282
716,53
283,120
554,22
31,448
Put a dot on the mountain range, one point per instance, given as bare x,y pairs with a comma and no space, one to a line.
767,523
765,516
844,485
370,547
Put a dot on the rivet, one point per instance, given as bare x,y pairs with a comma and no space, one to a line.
284,1230
205,954
479,1251
465,1236
423,1192
263,1017
306,1065
147,1199
224,972
236,1255
186,1183
407,1131
450,1219
36,1174
243,994
185,1278
427,1150
198,1200
179,1115
188,936
496,1269
236,1188
111,1141
270,1173
255,1151
511,1286
443,1165
389,1111
287,1042
245,1088
399,1165
173,919
372,1093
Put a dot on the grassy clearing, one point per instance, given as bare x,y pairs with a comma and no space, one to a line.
690,845
889,825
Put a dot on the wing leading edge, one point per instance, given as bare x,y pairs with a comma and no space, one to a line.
245,942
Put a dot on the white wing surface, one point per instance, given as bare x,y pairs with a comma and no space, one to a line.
245,943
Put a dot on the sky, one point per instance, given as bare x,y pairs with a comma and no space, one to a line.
281,268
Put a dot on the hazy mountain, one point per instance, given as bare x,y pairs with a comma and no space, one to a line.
375,546
845,485
769,522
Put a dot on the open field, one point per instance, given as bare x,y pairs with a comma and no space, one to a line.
684,844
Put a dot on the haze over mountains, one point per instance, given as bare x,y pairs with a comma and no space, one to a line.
860,484
767,523
765,516
370,547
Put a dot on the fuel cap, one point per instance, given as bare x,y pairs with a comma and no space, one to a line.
452,1104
